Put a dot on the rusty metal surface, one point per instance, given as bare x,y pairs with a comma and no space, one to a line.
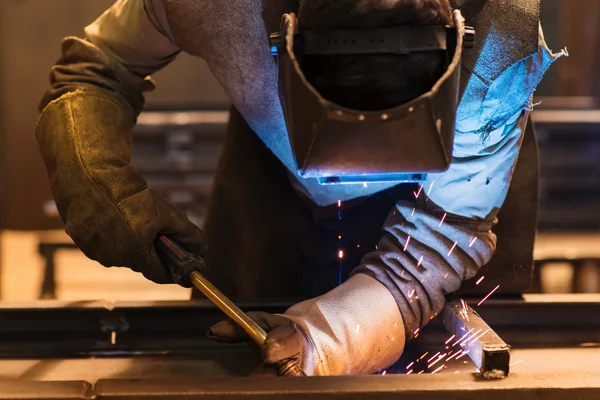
45,390
548,374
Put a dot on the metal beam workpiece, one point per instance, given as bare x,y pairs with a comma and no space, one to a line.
487,350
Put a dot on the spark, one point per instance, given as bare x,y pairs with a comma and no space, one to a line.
416,331
339,203
419,192
486,297
407,242
430,187
358,246
516,362
409,372
456,372
410,294
365,184
473,241
464,305
452,249
453,355
445,276
423,356
341,254
357,328
438,369
480,336
340,236
384,372
410,365
402,273
467,339
479,280
420,372
463,354
113,337
413,212
434,356
450,339
465,335
436,361
443,218
420,261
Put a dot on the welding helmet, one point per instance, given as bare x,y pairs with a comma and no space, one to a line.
338,145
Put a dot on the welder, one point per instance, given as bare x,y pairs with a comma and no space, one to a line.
366,157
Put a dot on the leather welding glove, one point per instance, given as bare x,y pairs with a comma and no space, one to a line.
107,207
354,329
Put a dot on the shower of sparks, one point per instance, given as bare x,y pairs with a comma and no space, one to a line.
357,328
410,294
438,369
464,305
479,280
410,365
450,339
443,218
463,354
464,336
489,294
465,311
434,356
406,244
472,242
480,336
419,263
430,187
339,203
417,194
452,249
516,362
341,254
409,372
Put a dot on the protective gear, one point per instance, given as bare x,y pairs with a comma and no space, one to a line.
354,329
336,144
108,209
284,339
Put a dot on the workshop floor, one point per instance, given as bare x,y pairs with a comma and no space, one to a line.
79,278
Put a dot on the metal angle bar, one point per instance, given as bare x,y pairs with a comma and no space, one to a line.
487,350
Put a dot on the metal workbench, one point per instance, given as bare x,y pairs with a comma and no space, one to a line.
104,350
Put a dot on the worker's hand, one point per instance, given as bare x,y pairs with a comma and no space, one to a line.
285,340
107,207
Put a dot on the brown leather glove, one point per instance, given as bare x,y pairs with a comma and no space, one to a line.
107,207
285,339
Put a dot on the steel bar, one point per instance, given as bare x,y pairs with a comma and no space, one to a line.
487,350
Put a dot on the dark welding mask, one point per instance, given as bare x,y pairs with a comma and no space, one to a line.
338,145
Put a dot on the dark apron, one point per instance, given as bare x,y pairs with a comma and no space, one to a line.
266,241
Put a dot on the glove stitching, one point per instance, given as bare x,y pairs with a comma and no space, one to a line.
78,152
